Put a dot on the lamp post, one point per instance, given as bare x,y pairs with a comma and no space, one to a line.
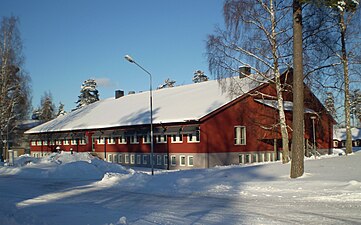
314,131
131,60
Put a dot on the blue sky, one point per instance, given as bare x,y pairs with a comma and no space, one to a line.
66,42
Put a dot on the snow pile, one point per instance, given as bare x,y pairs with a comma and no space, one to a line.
63,165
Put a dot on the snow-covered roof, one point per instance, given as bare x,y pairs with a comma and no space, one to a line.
170,105
340,134
288,105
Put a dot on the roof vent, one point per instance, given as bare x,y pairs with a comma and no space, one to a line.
119,93
131,92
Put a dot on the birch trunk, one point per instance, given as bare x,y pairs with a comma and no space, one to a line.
347,83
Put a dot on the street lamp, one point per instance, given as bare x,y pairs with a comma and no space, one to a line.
131,60
314,131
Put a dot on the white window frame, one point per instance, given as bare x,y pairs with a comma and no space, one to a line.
132,159
73,142
145,159
122,140
240,135
254,157
173,163
335,144
126,158
100,141
45,143
111,140
192,138
165,159
161,139
66,142
39,143
146,139
188,160
134,139
33,143
110,158
177,138
82,141
139,159
180,160
159,160
247,158
241,158
120,158
52,142
58,142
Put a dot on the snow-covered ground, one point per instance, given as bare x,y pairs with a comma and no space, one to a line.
79,189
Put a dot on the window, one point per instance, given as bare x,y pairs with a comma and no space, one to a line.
165,159
127,159
110,158
82,141
132,159
261,157
241,159
190,160
120,158
66,142
145,159
146,139
195,137
335,144
159,160
161,138
101,141
182,160
138,159
33,143
248,158
52,143
173,160
45,143
267,157
111,140
177,138
115,158
134,139
122,140
239,135
58,142
254,157
74,142
38,143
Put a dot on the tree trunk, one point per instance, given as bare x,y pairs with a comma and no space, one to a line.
297,162
347,84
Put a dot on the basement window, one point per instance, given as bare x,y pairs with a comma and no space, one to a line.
182,160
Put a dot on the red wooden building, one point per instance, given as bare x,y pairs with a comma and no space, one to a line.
195,126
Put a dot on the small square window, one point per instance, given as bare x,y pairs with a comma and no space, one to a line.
122,139
101,141
66,142
111,140
39,143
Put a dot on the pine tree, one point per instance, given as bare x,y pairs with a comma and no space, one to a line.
47,107
199,76
88,93
61,110
330,104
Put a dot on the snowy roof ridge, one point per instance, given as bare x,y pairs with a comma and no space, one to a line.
170,105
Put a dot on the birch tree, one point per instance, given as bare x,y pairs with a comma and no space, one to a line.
14,82
257,33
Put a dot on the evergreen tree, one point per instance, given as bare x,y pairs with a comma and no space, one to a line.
330,104
199,76
356,107
88,93
61,110
47,107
